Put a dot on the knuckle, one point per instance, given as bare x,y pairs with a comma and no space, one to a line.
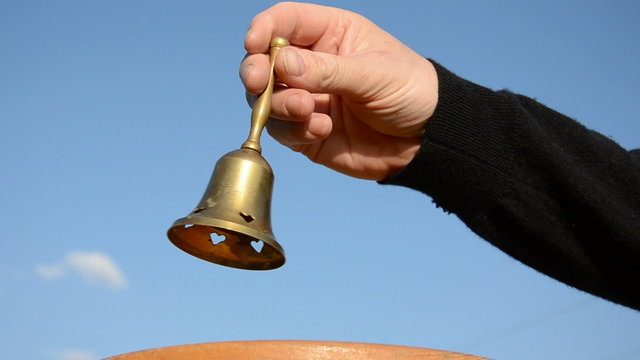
329,71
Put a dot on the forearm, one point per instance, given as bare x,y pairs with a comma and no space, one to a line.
538,185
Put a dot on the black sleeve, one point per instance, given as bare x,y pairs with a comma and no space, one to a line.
554,195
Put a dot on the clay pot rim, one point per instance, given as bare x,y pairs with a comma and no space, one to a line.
340,348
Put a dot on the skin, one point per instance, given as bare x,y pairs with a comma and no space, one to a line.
351,96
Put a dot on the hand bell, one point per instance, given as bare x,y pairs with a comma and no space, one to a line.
231,225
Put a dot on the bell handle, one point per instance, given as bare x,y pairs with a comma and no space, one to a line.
262,106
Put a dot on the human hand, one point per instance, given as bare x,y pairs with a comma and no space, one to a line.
353,98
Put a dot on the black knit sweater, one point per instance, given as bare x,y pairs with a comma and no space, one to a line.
554,195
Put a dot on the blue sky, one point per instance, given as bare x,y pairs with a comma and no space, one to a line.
113,113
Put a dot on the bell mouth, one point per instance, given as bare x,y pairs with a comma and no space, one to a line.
219,242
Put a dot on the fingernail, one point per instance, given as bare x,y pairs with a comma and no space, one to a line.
293,62
244,72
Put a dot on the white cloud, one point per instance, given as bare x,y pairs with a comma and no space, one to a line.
77,355
72,354
55,271
94,267
97,268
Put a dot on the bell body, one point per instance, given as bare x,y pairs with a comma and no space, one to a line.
231,225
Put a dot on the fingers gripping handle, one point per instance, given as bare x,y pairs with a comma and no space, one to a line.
262,107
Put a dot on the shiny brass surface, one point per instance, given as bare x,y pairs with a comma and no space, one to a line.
231,225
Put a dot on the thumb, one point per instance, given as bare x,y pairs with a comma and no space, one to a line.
319,72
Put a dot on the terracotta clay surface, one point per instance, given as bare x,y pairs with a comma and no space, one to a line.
294,350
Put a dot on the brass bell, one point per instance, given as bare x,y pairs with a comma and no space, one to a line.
231,225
